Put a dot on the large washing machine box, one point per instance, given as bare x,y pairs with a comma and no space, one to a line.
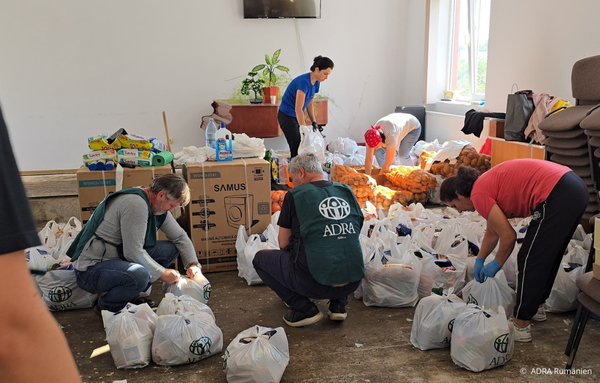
224,196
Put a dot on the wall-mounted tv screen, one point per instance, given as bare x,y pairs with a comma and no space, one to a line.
282,9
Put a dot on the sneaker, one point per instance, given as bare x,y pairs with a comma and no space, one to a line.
540,316
298,319
337,311
142,300
522,335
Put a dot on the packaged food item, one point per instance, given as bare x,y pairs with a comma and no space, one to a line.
135,161
97,154
96,165
135,153
100,142
134,141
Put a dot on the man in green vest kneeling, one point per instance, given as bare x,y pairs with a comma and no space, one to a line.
320,256
117,255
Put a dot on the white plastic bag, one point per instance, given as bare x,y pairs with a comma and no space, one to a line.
39,258
129,334
198,288
60,291
69,232
481,340
253,246
258,354
493,292
311,142
48,234
274,222
391,280
240,246
345,145
187,338
170,304
433,321
354,160
563,297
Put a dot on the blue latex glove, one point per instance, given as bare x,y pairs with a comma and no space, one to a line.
491,269
477,270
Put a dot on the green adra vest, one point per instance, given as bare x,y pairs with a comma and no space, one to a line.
89,230
330,222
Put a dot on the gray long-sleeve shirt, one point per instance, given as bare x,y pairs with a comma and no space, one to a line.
125,222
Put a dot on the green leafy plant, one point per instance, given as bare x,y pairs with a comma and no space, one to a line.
252,84
272,64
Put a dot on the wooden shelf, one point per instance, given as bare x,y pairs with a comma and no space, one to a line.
508,150
256,120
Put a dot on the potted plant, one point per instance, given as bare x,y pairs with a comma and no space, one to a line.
272,64
252,84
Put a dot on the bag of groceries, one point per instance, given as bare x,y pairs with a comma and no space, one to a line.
185,338
129,334
481,339
433,321
258,354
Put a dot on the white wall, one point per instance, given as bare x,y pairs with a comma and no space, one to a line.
535,44
73,69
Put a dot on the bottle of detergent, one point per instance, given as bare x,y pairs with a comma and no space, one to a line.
224,151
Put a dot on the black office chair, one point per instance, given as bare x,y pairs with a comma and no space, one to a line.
589,302
418,112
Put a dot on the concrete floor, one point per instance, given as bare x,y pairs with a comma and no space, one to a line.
328,352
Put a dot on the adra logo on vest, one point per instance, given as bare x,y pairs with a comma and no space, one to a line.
336,208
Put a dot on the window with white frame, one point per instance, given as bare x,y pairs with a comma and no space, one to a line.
457,52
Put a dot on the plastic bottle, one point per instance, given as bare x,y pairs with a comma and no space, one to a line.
211,130
222,126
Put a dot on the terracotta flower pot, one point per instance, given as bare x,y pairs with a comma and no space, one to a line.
269,91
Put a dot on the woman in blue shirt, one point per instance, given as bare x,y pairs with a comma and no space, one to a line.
297,97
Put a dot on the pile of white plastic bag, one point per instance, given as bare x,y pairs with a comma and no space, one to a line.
182,331
55,275
242,146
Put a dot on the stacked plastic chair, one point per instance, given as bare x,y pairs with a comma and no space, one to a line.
568,142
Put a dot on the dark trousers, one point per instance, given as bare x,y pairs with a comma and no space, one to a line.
553,224
295,287
123,281
291,130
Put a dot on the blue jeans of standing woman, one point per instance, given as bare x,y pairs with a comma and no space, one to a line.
403,151
121,280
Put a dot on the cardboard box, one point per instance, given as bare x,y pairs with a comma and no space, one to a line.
508,150
93,186
226,195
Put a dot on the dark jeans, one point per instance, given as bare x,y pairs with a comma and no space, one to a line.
553,224
123,281
291,130
295,287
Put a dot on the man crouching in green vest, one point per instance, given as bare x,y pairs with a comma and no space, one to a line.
117,255
320,256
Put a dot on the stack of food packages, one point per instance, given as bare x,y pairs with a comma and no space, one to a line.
467,157
129,149
361,184
409,184
277,197
404,184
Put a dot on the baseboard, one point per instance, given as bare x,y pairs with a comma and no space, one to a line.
42,172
